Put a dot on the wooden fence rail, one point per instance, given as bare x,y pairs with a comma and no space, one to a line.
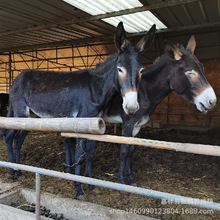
210,150
79,125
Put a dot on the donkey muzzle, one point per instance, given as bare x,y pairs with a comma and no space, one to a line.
130,103
206,101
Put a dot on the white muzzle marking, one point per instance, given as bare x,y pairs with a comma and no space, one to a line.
130,103
206,100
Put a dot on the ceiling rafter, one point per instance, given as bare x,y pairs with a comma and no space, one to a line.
211,27
169,3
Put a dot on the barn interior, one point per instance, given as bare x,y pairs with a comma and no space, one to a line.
68,35
72,35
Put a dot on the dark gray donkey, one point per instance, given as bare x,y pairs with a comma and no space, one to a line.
177,70
84,93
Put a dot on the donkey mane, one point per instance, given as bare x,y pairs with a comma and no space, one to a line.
187,52
100,69
158,63
103,67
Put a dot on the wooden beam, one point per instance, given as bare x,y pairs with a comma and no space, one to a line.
209,150
185,30
82,41
205,17
218,1
85,125
192,29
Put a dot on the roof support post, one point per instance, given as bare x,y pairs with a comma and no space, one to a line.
9,68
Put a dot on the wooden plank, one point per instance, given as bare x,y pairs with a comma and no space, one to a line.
210,150
79,125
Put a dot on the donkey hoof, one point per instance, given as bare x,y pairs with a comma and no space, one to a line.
19,173
11,172
82,198
96,191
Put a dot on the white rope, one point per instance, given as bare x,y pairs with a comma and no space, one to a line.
79,144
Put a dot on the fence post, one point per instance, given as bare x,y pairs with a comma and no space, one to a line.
37,208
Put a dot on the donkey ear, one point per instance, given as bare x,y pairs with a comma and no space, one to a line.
120,37
191,44
146,41
172,51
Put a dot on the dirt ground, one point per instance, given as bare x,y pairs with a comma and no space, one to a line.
184,174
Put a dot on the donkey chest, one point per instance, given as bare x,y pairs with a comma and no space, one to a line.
117,119
139,124
142,121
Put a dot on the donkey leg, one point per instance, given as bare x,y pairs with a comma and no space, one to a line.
9,136
90,150
128,170
70,154
128,166
124,150
123,157
18,141
79,158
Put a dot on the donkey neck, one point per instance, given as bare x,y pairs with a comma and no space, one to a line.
106,73
156,80
104,82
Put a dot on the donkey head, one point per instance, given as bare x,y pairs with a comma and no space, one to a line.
189,80
129,67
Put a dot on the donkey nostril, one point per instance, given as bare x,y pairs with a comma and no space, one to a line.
212,102
131,110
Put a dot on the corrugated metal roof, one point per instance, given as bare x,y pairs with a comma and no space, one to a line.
133,23
26,24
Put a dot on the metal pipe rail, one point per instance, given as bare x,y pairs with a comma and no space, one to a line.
111,185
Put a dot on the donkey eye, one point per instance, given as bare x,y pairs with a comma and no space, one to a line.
121,70
190,72
141,70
